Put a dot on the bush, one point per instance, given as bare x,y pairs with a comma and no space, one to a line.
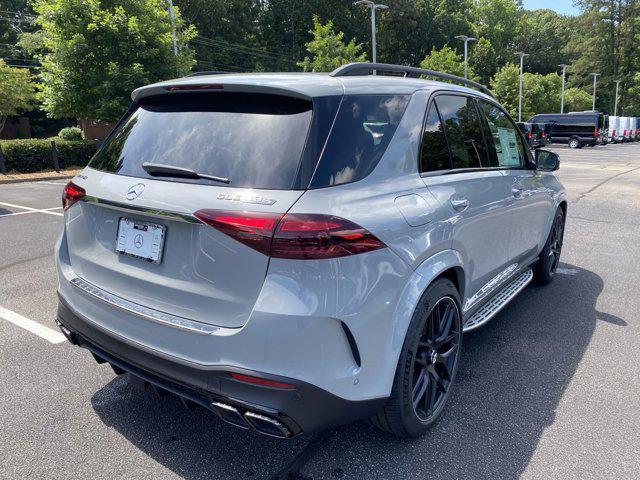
34,154
72,134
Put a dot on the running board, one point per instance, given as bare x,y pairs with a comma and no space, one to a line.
498,301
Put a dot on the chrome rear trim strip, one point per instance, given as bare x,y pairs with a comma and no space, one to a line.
144,312
151,212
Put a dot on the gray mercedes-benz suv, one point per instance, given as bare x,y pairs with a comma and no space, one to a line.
297,251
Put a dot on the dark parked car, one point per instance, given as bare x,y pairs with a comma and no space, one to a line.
538,135
576,129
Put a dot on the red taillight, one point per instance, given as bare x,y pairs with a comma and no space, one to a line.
261,381
71,194
543,135
529,135
595,133
293,236
251,228
613,134
624,133
312,236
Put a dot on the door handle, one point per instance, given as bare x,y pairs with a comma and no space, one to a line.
459,204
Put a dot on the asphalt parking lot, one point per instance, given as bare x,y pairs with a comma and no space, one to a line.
549,389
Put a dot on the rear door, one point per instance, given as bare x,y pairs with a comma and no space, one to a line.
457,169
255,145
531,202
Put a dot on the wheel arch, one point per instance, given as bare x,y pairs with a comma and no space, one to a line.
444,264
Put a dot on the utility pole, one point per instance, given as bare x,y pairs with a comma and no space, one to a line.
522,55
466,41
373,6
564,71
615,103
173,28
595,76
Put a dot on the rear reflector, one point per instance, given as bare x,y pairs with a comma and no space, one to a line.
71,194
263,382
293,236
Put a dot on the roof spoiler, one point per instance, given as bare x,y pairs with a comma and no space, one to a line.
366,68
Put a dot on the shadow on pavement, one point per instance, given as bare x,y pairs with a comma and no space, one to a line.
513,374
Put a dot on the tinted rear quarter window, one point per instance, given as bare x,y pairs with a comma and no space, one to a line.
255,140
434,153
359,137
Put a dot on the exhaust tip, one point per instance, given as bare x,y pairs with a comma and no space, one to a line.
266,425
230,415
70,336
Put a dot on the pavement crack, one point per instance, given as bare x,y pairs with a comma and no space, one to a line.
609,222
598,185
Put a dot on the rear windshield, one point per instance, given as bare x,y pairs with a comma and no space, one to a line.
256,141
363,128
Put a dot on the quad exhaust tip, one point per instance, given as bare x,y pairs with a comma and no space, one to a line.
251,420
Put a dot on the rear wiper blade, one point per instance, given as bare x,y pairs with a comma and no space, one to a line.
172,171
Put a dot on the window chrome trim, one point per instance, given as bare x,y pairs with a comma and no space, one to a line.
150,314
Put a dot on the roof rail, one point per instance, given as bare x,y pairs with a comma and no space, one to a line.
210,72
366,68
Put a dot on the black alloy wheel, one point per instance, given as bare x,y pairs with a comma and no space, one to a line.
555,244
436,358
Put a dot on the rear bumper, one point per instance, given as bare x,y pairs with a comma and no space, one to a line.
305,408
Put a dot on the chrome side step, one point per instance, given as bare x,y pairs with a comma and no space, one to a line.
498,301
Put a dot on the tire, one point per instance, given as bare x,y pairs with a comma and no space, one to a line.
545,269
574,143
427,366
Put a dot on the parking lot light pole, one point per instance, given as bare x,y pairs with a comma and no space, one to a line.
373,6
173,28
595,76
522,55
615,102
466,42
564,71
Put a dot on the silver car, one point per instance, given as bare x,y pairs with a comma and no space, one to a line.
299,251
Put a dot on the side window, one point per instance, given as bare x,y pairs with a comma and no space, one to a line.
505,145
434,153
464,133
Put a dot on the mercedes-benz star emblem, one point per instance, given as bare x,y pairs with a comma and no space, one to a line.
135,191
138,240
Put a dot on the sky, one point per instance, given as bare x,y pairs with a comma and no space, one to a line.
560,6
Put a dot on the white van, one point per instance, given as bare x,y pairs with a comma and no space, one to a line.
614,128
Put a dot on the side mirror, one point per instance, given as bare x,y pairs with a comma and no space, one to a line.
547,161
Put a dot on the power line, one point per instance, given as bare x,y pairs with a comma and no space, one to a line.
244,47
243,50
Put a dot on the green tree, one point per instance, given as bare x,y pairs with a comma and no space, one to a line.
446,60
577,100
95,52
540,93
17,91
544,35
499,22
329,50
505,87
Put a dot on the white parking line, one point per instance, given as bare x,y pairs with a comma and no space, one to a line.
46,210
47,333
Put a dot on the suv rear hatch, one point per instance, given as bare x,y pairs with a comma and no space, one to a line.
252,152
